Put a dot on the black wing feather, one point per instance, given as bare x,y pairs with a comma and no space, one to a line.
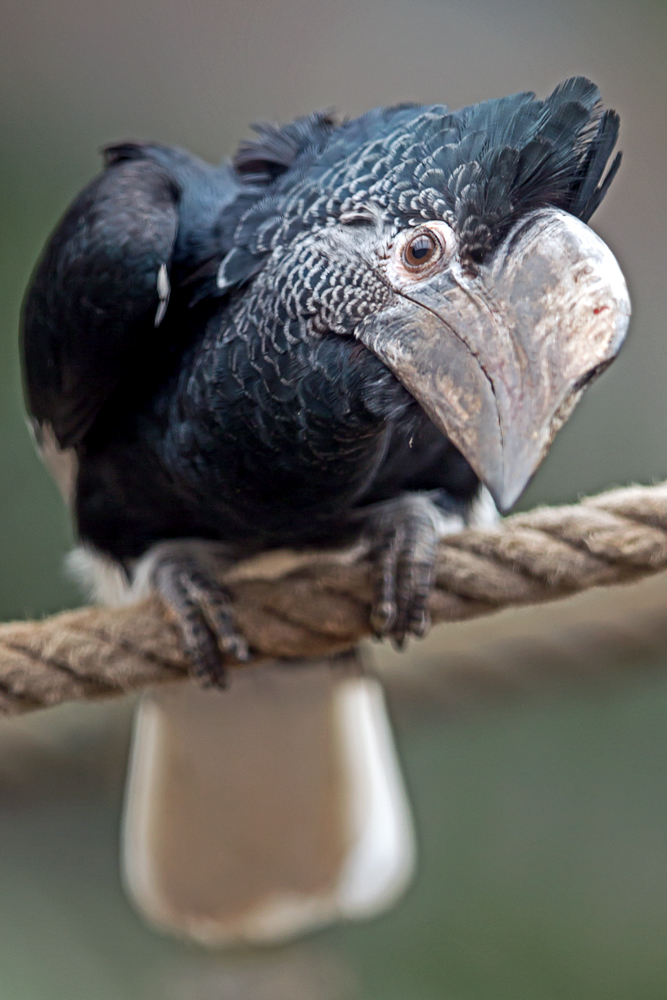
91,307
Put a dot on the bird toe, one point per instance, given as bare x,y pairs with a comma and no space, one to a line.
201,608
403,542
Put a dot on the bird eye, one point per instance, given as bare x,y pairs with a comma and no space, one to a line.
421,249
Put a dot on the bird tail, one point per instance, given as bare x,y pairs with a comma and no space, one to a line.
262,812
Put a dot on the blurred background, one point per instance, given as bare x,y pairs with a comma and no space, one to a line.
542,819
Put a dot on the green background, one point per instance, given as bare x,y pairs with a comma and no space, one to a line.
543,825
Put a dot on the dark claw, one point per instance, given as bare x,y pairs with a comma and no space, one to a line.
202,610
404,541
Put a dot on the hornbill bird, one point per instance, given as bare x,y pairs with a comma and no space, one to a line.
355,328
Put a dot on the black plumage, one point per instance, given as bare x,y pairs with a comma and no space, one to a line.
202,337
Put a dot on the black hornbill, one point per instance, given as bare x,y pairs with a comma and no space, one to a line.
352,327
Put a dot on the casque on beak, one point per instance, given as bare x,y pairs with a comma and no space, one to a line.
498,359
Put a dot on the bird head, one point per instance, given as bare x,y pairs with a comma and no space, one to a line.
454,246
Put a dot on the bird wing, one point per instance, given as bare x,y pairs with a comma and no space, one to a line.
98,294
95,308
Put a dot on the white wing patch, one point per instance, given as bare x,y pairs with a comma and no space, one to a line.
62,463
163,291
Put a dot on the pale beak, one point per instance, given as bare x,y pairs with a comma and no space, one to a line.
499,358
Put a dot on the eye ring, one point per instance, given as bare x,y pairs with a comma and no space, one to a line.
422,249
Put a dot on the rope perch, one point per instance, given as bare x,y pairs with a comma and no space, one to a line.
320,604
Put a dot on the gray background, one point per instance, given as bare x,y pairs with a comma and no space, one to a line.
544,825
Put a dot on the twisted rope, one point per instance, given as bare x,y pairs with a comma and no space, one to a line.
319,603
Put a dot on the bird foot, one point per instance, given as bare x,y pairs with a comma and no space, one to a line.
202,610
403,536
